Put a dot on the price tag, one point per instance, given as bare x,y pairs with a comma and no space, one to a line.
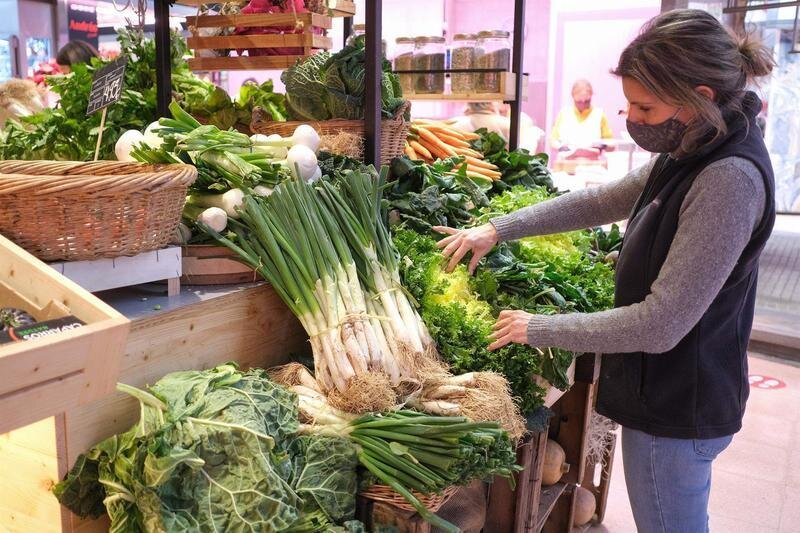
107,85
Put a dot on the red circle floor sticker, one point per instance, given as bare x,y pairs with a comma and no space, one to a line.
765,382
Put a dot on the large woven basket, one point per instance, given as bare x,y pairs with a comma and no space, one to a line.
394,131
386,494
63,210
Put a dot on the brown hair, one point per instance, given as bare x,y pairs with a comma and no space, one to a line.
75,52
680,50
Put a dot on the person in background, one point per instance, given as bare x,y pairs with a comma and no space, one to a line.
580,126
75,52
489,115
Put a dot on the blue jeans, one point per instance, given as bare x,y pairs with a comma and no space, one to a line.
669,480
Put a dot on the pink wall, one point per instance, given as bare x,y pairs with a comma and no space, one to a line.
587,44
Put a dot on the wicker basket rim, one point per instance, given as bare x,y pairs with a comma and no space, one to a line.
258,118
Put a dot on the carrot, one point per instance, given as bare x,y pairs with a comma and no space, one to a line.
446,130
479,163
421,150
484,172
410,153
470,136
434,149
452,141
469,152
431,138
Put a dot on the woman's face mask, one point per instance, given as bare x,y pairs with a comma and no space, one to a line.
663,137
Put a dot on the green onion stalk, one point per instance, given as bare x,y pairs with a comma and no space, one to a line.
326,252
410,451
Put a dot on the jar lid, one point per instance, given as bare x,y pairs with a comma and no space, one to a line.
494,33
464,37
405,40
429,39
359,27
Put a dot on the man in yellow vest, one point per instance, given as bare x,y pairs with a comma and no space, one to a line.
580,126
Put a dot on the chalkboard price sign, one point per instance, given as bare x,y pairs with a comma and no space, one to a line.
107,85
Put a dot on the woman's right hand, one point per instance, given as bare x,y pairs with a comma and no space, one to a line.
459,242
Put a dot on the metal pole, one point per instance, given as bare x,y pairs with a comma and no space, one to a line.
163,58
348,29
517,69
372,103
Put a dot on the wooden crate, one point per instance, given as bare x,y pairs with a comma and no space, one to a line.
207,264
307,40
515,510
46,376
250,326
343,8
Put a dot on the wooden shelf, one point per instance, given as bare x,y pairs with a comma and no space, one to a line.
286,40
259,20
547,502
505,94
243,63
344,8
487,97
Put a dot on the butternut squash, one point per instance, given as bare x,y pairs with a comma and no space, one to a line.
585,506
554,463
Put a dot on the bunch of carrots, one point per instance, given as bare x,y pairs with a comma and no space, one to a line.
429,140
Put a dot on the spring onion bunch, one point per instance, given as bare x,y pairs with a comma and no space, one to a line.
224,159
325,250
408,450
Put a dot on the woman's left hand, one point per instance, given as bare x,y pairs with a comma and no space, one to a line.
511,326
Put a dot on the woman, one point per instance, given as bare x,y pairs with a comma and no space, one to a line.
674,373
75,52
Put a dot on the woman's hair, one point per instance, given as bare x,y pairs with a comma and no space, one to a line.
680,50
75,52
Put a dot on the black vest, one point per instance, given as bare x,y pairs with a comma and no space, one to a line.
699,388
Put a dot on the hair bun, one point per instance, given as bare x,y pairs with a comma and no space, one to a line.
757,59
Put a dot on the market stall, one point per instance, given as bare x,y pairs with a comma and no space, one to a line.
396,373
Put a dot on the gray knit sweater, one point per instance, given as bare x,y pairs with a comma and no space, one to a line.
717,218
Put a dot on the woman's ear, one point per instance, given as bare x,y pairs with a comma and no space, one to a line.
706,91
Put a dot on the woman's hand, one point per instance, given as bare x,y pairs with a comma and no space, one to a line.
459,242
511,326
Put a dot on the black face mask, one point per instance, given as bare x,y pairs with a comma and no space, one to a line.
659,138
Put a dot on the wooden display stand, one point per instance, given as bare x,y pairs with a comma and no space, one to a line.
309,41
104,274
251,327
532,507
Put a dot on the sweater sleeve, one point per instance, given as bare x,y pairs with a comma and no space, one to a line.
716,221
593,206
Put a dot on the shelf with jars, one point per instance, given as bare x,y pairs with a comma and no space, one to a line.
473,68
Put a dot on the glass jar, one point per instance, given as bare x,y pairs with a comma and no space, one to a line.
404,60
494,52
429,57
358,31
462,57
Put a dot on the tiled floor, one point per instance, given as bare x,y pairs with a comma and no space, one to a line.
756,481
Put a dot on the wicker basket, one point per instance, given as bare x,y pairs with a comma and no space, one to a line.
386,494
394,131
79,211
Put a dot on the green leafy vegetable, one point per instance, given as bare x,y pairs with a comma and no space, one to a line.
202,457
326,86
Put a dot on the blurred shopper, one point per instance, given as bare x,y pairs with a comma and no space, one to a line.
75,52
580,126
